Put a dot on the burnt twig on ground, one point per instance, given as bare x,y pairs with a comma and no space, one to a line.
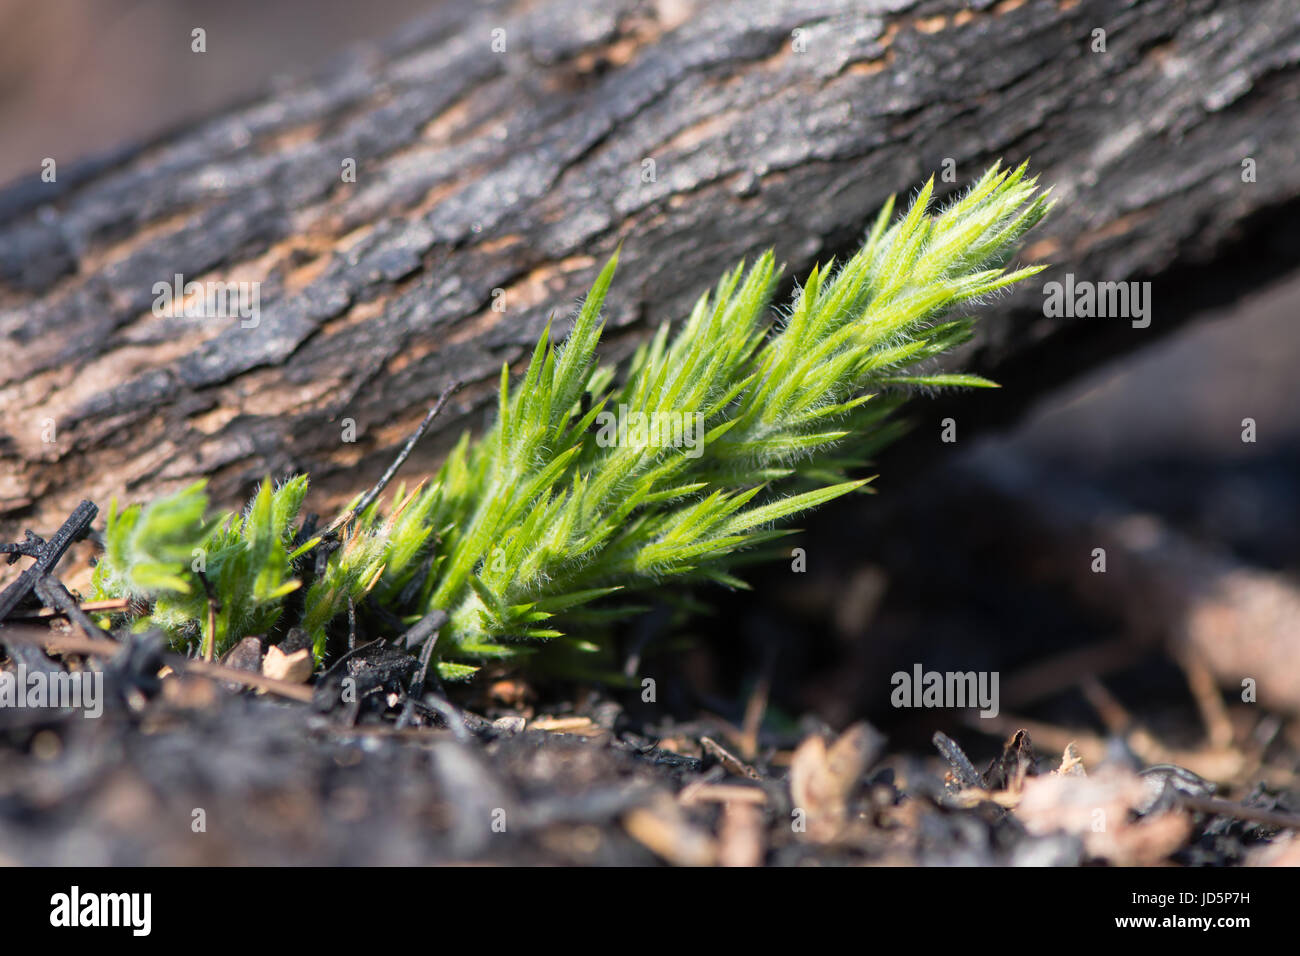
369,497
425,634
1226,808
963,770
51,590
78,524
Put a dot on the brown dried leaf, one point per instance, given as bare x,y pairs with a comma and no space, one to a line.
732,763
1098,809
1071,762
295,668
740,837
822,779
662,829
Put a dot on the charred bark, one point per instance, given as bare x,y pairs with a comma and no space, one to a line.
695,133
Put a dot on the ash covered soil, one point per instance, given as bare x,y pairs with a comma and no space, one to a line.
198,774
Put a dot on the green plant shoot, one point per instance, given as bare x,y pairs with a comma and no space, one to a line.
592,485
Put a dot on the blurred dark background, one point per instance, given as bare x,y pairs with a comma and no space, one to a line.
80,77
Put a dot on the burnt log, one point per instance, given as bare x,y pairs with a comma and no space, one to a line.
503,150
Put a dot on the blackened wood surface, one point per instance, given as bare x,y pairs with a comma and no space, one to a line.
521,170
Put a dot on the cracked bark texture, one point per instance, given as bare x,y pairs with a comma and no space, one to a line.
520,171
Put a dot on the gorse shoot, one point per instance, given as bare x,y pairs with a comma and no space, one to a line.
158,553
584,488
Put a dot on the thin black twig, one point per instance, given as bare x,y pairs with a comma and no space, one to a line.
963,770
425,632
329,544
51,590
31,546
71,530
369,497
1229,809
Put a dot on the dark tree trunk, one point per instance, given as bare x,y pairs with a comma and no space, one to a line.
521,170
